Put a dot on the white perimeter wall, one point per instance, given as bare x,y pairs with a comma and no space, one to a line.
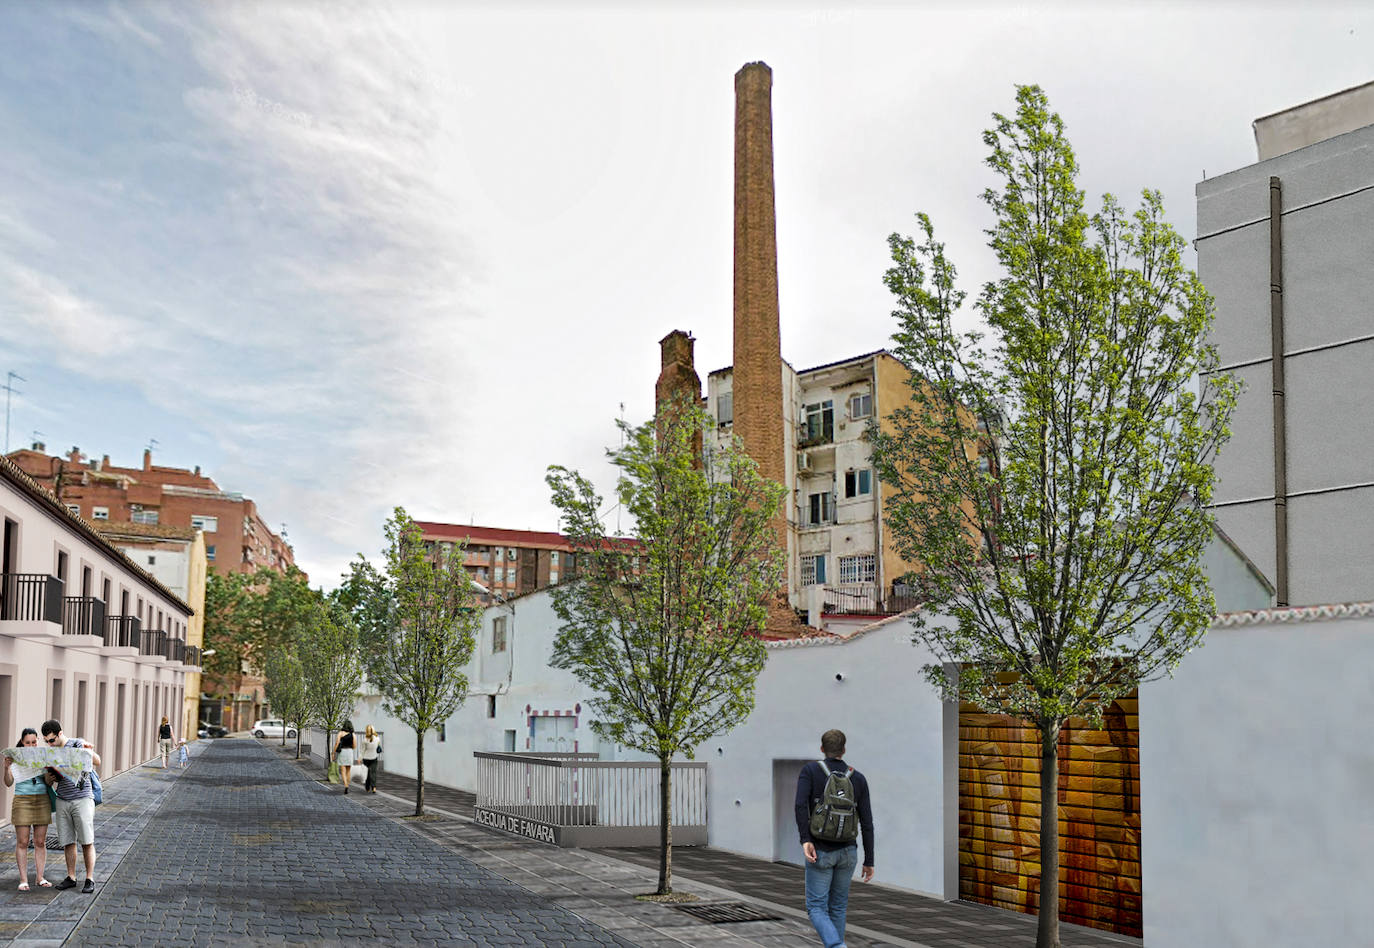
1257,789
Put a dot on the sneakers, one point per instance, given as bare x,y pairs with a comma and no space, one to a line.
89,887
67,883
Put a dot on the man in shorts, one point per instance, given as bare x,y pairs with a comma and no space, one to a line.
75,815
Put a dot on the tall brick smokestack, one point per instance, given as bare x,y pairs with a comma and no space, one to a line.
757,384
758,358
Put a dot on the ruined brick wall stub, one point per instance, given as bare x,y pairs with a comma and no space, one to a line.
678,383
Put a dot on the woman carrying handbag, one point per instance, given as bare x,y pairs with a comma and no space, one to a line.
372,747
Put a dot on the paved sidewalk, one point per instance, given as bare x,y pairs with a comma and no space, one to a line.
45,917
247,849
601,884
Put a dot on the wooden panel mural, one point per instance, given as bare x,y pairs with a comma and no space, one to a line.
1099,816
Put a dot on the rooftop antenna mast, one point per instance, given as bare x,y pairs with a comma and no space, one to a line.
622,448
10,390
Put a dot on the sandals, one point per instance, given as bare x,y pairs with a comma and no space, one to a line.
24,886
44,884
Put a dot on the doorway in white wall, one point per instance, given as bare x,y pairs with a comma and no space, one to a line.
786,847
553,734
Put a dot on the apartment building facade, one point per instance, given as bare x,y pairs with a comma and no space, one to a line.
237,538
506,563
87,635
840,558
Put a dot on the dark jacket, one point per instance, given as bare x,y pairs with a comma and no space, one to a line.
810,789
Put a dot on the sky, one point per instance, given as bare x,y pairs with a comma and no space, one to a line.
351,256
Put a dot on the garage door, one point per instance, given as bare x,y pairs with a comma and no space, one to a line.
1099,816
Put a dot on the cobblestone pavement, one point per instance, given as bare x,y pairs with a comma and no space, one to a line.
247,849
45,917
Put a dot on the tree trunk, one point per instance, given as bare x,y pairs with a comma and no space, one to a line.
419,773
298,743
1047,927
665,827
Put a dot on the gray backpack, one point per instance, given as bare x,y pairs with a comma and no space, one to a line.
835,818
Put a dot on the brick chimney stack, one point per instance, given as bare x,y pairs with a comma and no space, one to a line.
147,459
757,383
678,378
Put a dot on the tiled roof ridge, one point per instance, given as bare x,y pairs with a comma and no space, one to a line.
41,494
830,638
1317,613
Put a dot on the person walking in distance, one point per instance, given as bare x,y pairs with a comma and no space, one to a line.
30,815
372,746
343,754
833,809
75,810
164,741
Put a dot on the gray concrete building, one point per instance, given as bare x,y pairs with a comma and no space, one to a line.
1286,246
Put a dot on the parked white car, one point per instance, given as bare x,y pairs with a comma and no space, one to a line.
273,728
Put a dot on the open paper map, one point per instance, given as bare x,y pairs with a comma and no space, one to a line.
30,761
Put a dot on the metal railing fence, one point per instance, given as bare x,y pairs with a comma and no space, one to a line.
82,615
31,597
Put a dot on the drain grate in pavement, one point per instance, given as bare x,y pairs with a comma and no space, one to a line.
720,913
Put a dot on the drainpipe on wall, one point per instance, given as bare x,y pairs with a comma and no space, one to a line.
1280,423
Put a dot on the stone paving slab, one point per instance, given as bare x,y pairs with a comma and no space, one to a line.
46,916
248,849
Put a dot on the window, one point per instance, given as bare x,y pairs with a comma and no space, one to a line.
510,553
822,509
145,516
553,558
813,570
210,552
498,634
860,406
819,425
100,513
500,574
152,560
858,483
725,408
443,732
202,522
553,577
491,706
858,569
74,508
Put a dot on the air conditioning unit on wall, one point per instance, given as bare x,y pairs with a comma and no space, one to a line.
803,461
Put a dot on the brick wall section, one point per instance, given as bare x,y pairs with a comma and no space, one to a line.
678,381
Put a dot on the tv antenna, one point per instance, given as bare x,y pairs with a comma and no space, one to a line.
10,390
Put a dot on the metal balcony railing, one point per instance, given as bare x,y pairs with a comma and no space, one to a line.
192,656
152,642
868,599
123,631
82,615
176,649
31,597
575,800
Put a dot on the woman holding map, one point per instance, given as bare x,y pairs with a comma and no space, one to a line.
31,812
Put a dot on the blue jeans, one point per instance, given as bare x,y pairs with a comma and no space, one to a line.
827,892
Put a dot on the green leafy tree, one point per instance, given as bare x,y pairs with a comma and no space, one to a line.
670,648
418,619
229,631
331,666
285,686
1054,480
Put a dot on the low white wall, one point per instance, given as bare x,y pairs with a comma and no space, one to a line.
1257,787
895,724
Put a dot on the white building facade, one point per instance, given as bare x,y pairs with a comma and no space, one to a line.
86,635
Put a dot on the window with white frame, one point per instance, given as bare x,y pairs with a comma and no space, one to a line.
725,408
499,574
145,516
813,570
553,577
74,508
819,423
209,551
858,483
510,553
100,513
860,406
206,523
858,569
553,558
498,634
820,509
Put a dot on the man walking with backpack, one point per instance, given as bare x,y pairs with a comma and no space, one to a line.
832,810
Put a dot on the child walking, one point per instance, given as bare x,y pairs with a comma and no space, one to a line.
181,751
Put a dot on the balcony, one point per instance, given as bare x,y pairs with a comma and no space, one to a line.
192,659
152,647
175,650
868,599
122,635
83,622
31,604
